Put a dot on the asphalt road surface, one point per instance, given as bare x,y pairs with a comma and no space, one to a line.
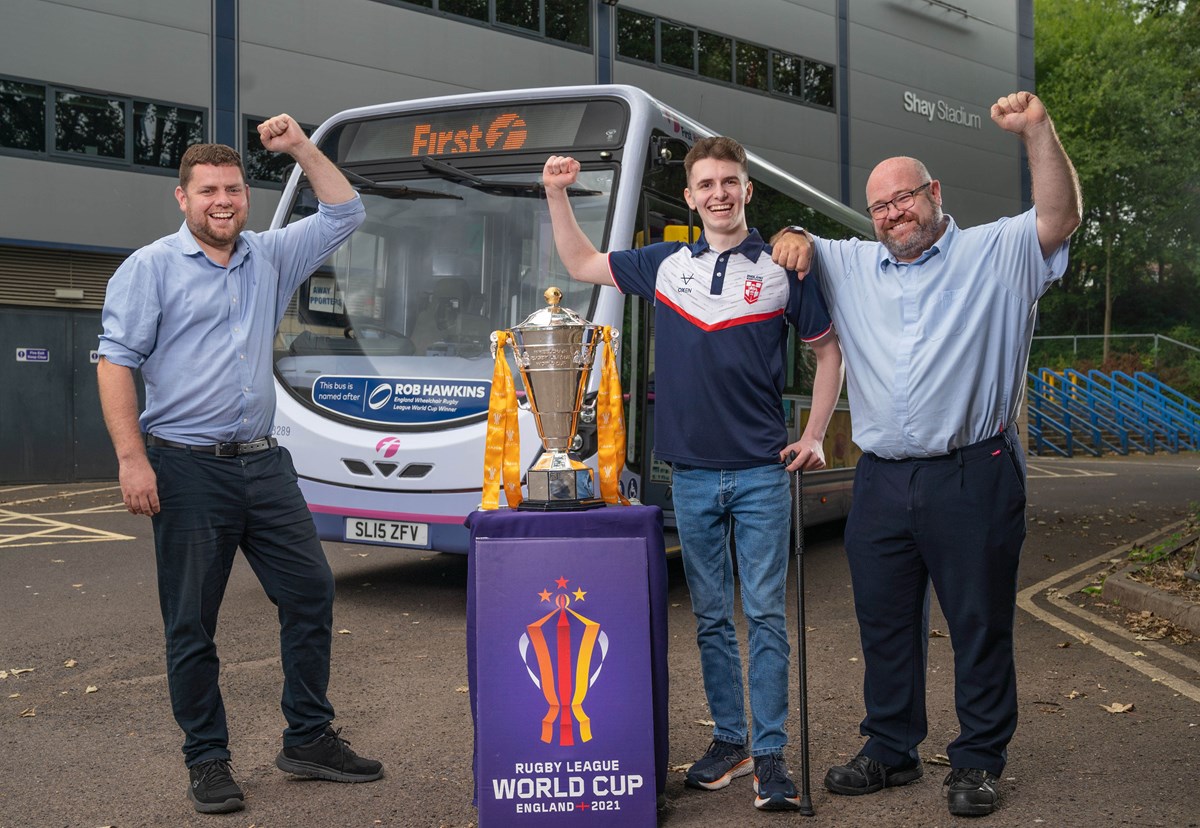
88,739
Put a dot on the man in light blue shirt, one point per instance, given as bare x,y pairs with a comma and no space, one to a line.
935,323
196,313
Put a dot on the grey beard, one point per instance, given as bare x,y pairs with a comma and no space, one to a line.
918,242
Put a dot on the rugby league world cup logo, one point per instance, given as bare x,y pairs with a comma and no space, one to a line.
559,650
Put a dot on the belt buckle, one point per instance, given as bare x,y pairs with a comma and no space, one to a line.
226,450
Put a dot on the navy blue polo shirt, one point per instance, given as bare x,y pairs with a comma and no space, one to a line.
720,343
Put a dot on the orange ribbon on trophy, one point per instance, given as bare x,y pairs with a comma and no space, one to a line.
610,423
502,449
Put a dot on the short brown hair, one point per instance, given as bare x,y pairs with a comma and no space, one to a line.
718,147
218,155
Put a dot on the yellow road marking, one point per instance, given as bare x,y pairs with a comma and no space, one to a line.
1025,601
21,530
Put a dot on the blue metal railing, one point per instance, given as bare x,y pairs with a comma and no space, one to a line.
1181,414
1145,409
1098,412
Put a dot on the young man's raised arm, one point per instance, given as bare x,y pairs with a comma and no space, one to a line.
583,261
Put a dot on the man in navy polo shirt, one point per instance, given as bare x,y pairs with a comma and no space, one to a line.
721,313
936,322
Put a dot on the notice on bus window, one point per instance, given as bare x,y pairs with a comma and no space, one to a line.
323,295
400,401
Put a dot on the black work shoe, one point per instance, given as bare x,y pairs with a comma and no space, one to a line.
328,757
775,789
212,789
863,775
721,764
971,792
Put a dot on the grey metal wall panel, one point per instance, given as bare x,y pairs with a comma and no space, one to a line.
157,50
35,410
81,205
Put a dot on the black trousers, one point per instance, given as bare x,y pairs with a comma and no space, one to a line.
957,521
211,506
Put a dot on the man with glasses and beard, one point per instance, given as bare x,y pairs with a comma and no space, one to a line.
935,323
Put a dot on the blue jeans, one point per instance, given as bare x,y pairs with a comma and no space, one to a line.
753,505
210,507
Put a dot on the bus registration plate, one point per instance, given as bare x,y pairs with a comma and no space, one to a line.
389,532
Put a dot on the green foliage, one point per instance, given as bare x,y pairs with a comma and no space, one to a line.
1122,80
1160,550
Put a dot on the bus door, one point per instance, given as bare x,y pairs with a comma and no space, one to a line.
662,219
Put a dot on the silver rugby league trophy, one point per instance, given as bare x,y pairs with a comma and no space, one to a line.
554,350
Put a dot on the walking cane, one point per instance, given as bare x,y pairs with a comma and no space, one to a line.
806,807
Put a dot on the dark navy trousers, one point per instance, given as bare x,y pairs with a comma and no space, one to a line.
957,521
211,506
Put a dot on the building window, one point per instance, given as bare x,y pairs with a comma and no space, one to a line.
520,13
678,44
474,9
683,48
818,83
635,35
61,123
89,125
752,66
645,38
716,56
161,133
787,75
22,115
569,21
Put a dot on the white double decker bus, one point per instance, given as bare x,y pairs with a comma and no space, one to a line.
383,359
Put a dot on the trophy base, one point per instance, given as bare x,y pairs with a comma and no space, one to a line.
559,505
558,483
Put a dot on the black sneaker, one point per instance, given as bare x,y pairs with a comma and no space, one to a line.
971,792
721,764
328,757
775,789
863,775
212,789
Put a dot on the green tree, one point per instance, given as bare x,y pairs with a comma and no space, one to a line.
1122,79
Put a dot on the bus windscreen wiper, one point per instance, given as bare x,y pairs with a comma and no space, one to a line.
521,189
387,189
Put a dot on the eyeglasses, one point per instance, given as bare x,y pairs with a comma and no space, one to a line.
901,202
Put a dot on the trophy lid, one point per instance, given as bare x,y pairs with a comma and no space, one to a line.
553,315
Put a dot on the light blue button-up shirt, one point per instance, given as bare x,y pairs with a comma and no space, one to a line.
202,333
936,350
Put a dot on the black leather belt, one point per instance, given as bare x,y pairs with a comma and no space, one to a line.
218,449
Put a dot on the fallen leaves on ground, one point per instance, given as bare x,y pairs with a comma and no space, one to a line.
1117,707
